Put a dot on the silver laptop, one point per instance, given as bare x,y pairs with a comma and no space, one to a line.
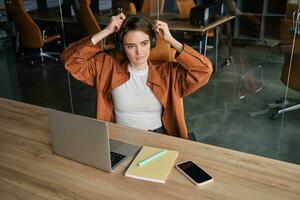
86,140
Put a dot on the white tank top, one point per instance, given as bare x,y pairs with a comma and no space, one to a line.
134,103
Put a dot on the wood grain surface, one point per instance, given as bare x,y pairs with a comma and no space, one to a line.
29,169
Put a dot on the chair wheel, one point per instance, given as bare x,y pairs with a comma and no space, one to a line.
275,116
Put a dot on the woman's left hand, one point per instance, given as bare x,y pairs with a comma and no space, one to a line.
162,29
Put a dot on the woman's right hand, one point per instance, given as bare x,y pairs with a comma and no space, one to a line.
113,26
115,23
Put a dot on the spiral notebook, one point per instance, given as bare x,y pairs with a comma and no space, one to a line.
156,170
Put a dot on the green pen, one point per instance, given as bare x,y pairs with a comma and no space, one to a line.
142,163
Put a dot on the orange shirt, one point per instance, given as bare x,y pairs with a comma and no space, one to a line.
169,82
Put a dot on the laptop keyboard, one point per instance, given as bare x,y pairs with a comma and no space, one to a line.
115,158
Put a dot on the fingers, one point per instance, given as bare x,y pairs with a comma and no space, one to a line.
121,16
162,29
160,26
117,21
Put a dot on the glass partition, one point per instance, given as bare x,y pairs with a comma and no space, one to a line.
253,45
238,108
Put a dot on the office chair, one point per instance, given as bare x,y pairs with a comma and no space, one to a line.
86,17
290,74
292,82
150,6
163,52
88,21
128,8
184,7
31,35
286,25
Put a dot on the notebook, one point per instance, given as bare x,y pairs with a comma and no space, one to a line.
156,170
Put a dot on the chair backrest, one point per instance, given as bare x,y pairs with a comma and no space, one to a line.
184,7
294,81
30,33
162,52
150,6
86,17
287,27
290,9
128,8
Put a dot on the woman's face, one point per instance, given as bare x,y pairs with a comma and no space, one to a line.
137,47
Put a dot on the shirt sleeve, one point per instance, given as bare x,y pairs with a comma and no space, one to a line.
85,61
193,71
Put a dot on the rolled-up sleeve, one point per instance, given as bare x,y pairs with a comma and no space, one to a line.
80,60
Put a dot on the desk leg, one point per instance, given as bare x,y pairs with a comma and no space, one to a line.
200,45
203,44
216,46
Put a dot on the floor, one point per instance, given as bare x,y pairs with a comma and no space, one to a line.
230,111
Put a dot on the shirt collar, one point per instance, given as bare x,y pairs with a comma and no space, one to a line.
153,75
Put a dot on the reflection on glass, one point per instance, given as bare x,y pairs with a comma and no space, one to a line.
233,109
291,71
289,138
250,82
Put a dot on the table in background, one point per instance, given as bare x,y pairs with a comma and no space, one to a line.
176,23
173,20
51,15
184,25
29,169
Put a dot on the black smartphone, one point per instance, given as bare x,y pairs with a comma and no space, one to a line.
194,173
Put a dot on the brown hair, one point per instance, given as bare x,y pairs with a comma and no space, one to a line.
135,23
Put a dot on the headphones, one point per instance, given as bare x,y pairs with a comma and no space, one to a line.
132,19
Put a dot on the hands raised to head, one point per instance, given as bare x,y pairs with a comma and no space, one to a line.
162,29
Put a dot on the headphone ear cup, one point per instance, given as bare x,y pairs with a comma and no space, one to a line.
120,47
153,40
118,43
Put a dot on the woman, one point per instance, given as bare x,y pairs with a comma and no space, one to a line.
134,92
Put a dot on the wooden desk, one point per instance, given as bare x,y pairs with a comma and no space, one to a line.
175,23
184,25
51,16
29,169
179,25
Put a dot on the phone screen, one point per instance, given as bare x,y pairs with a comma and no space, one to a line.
194,172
